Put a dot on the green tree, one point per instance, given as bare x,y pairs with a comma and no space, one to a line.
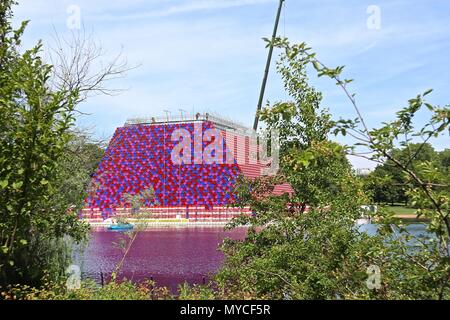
291,253
44,166
391,186
34,122
414,266
382,187
78,163
444,159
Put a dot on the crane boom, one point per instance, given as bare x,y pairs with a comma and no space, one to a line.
266,72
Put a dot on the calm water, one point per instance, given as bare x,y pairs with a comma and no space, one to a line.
416,229
169,255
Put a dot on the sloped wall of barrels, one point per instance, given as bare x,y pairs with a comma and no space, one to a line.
138,159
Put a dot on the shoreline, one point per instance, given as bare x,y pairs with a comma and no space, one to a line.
161,224
100,226
411,218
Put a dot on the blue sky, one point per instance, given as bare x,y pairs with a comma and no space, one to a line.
208,54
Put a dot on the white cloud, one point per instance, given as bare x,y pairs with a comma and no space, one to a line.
120,10
185,7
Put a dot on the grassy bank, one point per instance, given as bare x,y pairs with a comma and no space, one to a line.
406,213
402,210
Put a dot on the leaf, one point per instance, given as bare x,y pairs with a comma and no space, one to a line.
3,184
427,92
17,185
316,65
23,242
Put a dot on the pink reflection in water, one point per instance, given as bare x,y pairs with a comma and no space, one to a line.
169,255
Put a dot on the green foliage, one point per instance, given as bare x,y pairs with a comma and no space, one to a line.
389,184
78,163
196,292
34,132
385,188
444,159
293,253
311,256
302,120
124,290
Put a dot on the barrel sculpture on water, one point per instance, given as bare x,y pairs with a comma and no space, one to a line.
190,166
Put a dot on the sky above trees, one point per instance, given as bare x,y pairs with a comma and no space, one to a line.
209,55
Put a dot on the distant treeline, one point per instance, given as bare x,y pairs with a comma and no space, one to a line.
388,184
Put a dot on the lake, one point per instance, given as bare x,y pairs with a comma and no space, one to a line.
170,256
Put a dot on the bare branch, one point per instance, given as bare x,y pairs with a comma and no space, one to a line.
79,65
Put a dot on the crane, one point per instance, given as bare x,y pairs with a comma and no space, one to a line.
266,72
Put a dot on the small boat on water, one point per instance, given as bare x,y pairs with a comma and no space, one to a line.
121,227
